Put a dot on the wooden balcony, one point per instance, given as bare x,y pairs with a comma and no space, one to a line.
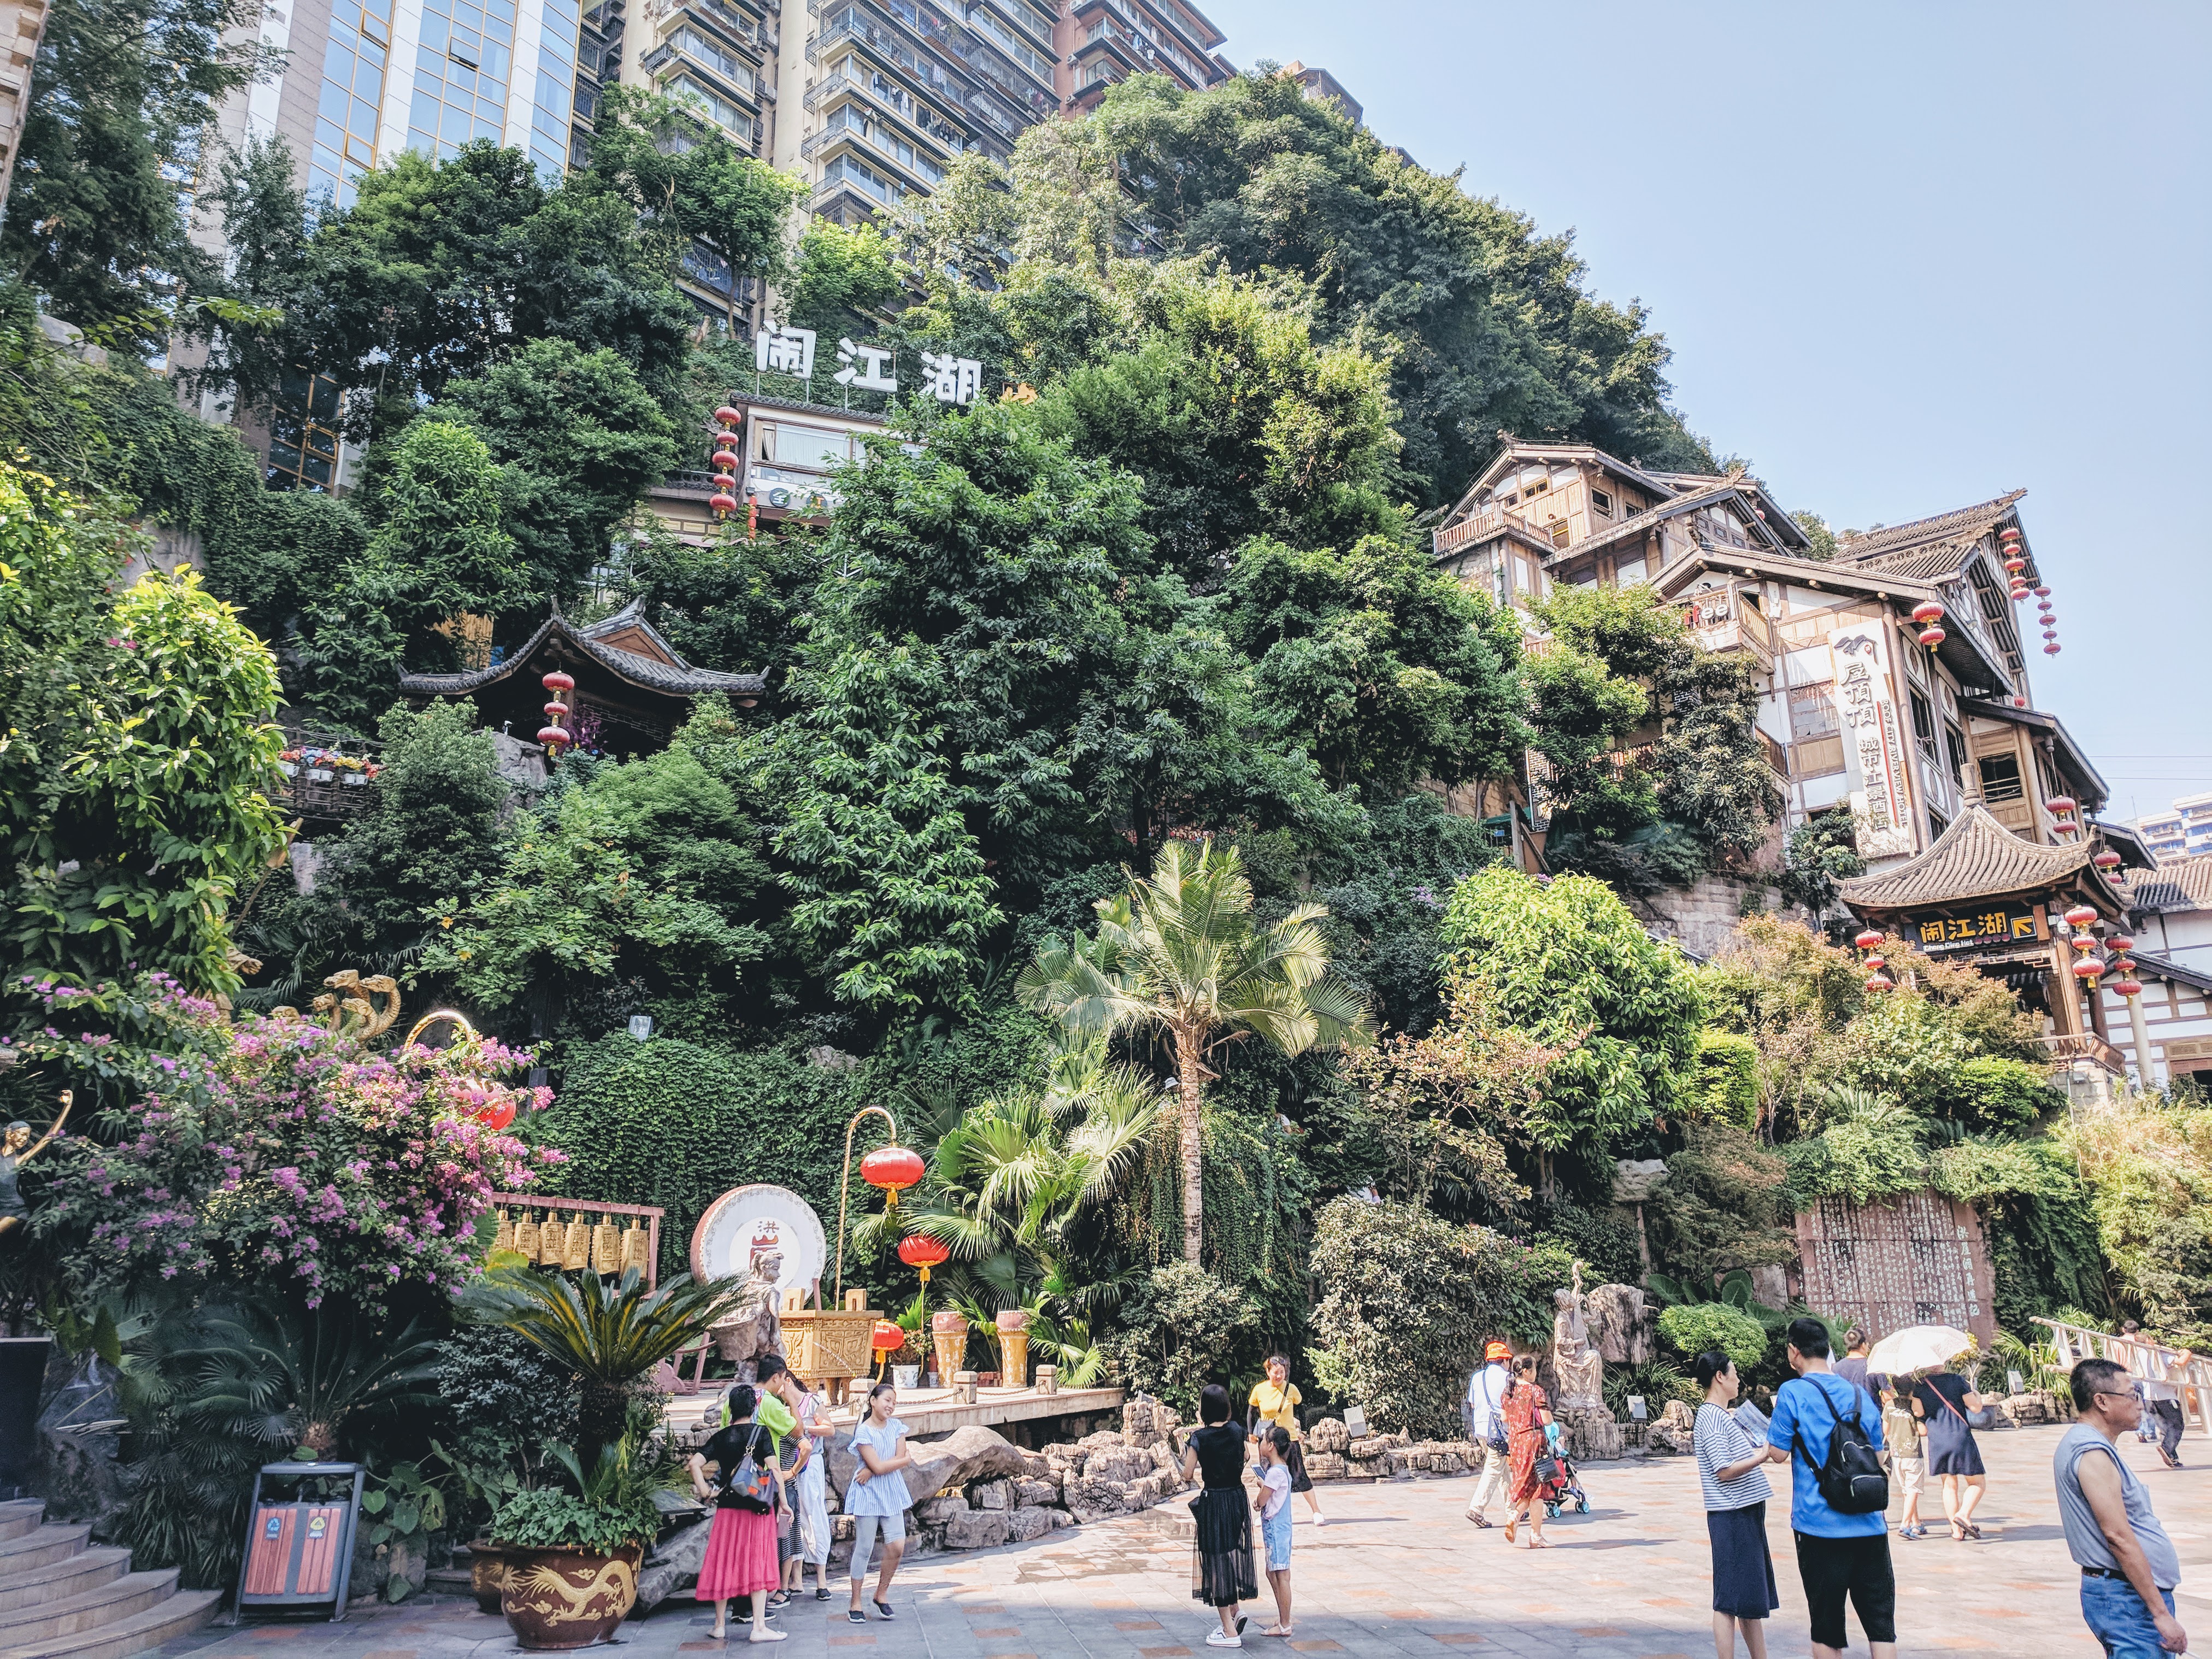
2064,1050
1721,619
1480,528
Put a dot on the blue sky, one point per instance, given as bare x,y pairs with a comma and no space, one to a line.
1908,257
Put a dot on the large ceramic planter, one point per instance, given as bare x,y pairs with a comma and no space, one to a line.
1014,1346
486,1573
558,1599
948,1334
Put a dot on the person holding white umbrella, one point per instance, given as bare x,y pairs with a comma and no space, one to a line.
1944,1399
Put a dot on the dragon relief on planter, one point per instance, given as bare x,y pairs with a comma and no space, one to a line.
600,1589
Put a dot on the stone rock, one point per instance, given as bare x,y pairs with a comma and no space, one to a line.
1325,1466
1368,1447
933,1509
1621,1328
1328,1435
1770,1285
1591,1435
673,1567
994,1494
1120,1465
2025,1410
1148,1422
977,1529
974,1453
1031,1520
1088,1500
1032,1490
1667,1441
1103,1440
1635,1179
833,1059
1679,1416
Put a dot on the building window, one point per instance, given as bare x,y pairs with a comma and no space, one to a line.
2000,777
303,437
1602,502
1936,826
1816,732
1923,726
1954,745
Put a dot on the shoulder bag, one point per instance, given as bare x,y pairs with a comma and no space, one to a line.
751,1484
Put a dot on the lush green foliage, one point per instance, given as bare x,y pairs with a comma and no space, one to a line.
2148,1167
1183,1329
1693,1328
548,1517
1727,1087
1568,964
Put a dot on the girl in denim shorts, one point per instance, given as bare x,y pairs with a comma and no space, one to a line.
1273,1503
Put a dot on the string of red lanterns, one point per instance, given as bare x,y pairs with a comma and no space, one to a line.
1930,614
552,734
723,501
1868,943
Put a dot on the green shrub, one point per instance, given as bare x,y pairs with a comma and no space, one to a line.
671,1123
1994,1094
1726,1088
1183,1330
546,1517
1693,1327
1408,1300
506,1401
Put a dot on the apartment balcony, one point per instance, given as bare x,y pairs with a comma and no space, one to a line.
1480,528
823,145
2062,1051
1722,619
669,55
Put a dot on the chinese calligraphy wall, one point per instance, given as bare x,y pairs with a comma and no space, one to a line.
1874,747
1918,1260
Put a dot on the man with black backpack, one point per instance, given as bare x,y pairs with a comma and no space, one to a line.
1828,1429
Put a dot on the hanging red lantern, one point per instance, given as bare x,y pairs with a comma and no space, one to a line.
2081,915
725,460
2052,649
1868,939
2042,592
729,417
1876,963
556,682
2015,563
886,1338
2084,942
2128,987
554,739
1879,983
2062,805
554,711
1927,612
2120,943
2087,970
894,1168
922,1251
2010,532
1931,637
2123,964
723,502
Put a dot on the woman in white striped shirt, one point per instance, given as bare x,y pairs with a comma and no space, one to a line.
1730,1468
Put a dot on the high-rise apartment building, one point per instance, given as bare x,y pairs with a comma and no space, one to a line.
2183,830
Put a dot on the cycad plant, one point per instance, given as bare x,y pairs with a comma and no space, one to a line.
609,1333
1180,956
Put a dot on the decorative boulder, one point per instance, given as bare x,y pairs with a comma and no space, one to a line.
1591,1435
1679,1416
1031,1520
1621,1328
994,1494
1032,1490
1325,1466
1328,1435
977,1529
673,1567
974,1453
1634,1180
1148,1422
936,1510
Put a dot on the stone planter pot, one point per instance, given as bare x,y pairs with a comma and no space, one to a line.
1014,1346
948,1334
487,1573
558,1599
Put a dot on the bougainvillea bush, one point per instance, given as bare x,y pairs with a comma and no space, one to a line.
268,1150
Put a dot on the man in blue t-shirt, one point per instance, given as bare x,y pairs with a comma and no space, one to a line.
1837,1555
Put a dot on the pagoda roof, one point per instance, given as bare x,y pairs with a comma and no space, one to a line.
2176,884
1975,859
2151,965
625,644
1938,548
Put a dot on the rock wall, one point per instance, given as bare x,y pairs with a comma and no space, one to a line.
1702,916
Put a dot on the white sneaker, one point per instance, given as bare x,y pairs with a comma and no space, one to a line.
1320,1520
1218,1637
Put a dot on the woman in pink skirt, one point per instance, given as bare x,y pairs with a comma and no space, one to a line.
741,1547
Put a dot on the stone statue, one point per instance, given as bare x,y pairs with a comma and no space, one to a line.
17,1149
753,1326
1579,1367
1622,1330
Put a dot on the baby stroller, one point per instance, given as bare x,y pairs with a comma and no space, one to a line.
1563,1491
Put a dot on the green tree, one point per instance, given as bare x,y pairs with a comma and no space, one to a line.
578,440
691,185
1179,954
1567,963
125,93
1384,669
139,754
841,276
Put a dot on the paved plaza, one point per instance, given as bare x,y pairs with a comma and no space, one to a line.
1399,1571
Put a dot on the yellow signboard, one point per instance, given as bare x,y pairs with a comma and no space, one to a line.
1983,927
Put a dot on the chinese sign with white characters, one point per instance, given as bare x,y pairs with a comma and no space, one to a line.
1992,926
869,368
952,379
1874,747
785,351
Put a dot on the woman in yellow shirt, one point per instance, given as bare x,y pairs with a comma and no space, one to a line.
1275,1403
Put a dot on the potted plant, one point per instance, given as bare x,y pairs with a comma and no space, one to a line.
567,1572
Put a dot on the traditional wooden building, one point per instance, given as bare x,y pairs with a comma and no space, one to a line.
632,689
2171,916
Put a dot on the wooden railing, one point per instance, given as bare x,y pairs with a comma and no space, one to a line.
2065,1049
1480,527
2144,1360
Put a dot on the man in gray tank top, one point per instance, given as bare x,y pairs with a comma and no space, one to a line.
2128,1565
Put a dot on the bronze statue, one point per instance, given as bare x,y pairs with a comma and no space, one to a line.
17,1149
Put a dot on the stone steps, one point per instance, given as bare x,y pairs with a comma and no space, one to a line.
62,1598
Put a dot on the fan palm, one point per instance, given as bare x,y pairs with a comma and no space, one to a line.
1178,954
609,1333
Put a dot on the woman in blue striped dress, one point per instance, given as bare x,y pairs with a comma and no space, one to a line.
1730,1468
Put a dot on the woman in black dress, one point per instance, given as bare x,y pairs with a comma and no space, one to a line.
1941,1402
1222,1572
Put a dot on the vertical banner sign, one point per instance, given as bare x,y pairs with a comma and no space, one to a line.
1873,744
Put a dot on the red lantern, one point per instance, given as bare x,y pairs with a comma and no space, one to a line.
2062,805
1868,939
887,1338
1927,612
1931,637
2107,859
2123,965
2128,987
2042,592
2120,944
725,460
556,682
923,1252
1878,982
553,738
723,502
2081,915
2084,942
2015,563
729,417
2010,532
894,1168
1876,963
2052,649
554,711
2087,969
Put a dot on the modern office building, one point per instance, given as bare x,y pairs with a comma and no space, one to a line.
2183,830
1321,85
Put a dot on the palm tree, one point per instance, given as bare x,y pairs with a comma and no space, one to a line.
609,1333
1178,953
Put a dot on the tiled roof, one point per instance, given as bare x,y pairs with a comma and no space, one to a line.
2149,964
2178,884
676,678
1948,526
1976,858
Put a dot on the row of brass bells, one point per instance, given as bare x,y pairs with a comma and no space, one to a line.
578,1245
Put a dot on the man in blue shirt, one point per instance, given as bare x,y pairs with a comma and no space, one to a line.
1838,1555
